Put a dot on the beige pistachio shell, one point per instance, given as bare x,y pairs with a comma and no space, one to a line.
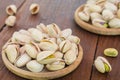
34,8
91,2
11,9
95,8
34,66
60,39
58,55
66,33
25,32
75,48
113,1
10,21
118,13
74,39
65,46
12,52
84,16
22,60
95,15
114,23
49,45
42,28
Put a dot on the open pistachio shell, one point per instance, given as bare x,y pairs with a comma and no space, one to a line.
42,28
25,32
95,8
74,48
95,15
11,9
66,33
34,8
74,39
114,23
60,39
111,52
84,16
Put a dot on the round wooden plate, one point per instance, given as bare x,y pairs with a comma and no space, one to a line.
43,75
93,29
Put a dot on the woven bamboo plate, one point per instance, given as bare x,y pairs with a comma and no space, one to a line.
89,27
43,75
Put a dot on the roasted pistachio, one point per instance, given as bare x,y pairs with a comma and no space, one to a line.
11,9
42,28
118,13
111,52
74,39
114,23
10,21
84,16
60,39
95,8
34,8
66,33
95,15
58,55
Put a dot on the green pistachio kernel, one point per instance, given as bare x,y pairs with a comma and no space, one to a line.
107,68
111,52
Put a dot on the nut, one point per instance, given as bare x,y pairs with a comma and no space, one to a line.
95,15
42,28
102,65
58,55
34,8
11,9
84,16
114,23
118,13
111,52
95,8
34,66
74,39
60,39
10,21
66,33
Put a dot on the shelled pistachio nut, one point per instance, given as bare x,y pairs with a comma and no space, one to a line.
58,55
66,33
64,46
12,52
102,65
114,23
111,52
34,66
95,15
84,16
34,8
11,9
46,57
10,21
48,45
42,28
22,60
74,39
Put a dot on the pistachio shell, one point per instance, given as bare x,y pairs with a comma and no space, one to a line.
58,55
42,28
74,39
22,60
95,15
65,46
11,9
118,13
114,23
111,52
75,48
66,33
91,1
25,32
34,66
95,8
10,21
49,45
12,53
34,8
84,16
60,39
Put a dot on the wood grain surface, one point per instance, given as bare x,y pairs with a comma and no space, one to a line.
61,12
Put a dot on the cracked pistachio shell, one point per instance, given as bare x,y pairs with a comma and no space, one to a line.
12,52
42,28
111,52
22,60
70,57
53,30
114,23
84,16
110,6
48,45
60,39
66,33
34,66
34,8
18,37
95,15
102,65
75,48
118,13
11,9
36,34
74,39
46,57
100,23
10,21
56,65
64,46
58,55
95,8
107,15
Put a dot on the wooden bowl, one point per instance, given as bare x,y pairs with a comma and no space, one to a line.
43,75
89,27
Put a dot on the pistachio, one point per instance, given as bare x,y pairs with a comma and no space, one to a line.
53,30
113,1
111,52
60,39
118,13
99,23
65,46
84,16
10,21
22,60
46,57
75,48
11,9
102,65
66,33
34,66
114,23
36,34
91,1
95,15
95,8
42,28
55,65
49,45
58,55
34,8
25,32
12,52
74,39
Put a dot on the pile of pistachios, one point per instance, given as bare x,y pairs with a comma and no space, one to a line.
101,13
43,47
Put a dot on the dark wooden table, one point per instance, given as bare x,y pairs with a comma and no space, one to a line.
61,12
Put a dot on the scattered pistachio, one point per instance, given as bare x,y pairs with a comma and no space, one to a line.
34,8
11,9
10,21
111,52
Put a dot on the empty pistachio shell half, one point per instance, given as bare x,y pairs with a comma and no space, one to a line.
111,52
42,28
22,60
34,8
66,33
11,9
34,66
74,39
114,23
55,65
65,46
10,21
102,65
48,45
95,15
84,16
12,52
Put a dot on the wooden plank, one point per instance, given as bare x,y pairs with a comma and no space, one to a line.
60,12
107,42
